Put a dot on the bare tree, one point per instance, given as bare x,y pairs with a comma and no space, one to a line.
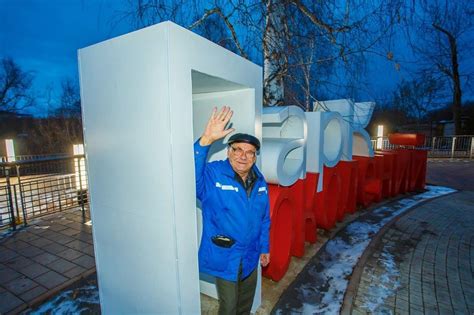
272,32
63,127
416,97
15,87
441,36
70,101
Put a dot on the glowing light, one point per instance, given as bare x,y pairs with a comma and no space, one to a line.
80,167
10,150
379,137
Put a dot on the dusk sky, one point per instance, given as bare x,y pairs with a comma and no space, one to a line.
43,36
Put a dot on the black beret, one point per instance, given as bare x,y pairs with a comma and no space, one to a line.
243,137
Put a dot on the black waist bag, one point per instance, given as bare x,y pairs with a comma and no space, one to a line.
223,241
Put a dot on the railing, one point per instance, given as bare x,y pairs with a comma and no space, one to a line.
33,157
6,206
447,147
386,145
33,188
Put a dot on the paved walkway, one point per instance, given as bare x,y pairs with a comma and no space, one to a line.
423,263
323,284
454,173
43,258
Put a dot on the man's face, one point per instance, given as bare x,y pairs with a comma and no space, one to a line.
241,157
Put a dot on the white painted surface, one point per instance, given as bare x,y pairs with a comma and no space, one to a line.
356,117
145,96
362,114
379,137
282,163
10,150
284,144
325,142
361,143
275,115
345,107
361,139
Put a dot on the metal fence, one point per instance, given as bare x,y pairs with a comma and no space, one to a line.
33,157
33,188
447,147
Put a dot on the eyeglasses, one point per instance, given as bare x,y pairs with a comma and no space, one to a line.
239,152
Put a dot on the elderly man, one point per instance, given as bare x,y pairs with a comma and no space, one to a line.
235,211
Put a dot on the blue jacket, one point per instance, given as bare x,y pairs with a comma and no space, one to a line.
227,210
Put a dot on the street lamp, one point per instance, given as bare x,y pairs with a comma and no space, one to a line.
80,167
10,150
379,137
80,175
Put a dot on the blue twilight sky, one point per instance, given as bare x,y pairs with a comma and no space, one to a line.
43,36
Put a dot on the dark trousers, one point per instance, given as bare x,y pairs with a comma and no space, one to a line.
236,297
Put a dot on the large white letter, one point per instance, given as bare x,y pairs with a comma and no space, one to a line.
284,144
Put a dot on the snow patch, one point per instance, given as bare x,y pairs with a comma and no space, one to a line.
382,286
73,301
322,291
41,227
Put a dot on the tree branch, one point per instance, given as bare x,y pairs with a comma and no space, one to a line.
229,25
317,21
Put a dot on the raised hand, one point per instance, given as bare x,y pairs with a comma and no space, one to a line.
216,126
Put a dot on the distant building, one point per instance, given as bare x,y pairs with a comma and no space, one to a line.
426,129
447,127
435,129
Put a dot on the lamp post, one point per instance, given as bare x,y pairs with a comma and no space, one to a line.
10,152
379,137
10,148
79,172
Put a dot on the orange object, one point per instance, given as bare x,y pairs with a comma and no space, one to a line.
414,139
387,172
416,174
380,174
310,189
297,193
281,231
421,179
348,171
399,164
352,199
369,186
344,175
327,201
401,171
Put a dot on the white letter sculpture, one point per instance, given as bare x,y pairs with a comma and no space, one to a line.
284,145
146,96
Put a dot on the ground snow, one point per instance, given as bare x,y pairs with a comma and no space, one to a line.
322,291
337,261
382,286
75,301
